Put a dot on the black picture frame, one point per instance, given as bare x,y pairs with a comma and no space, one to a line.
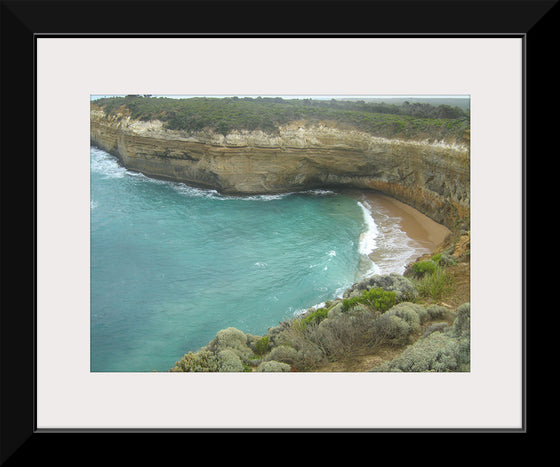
22,22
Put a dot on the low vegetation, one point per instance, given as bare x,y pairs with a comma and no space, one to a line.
389,312
446,348
407,120
375,299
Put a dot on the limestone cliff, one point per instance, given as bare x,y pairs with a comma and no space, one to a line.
433,178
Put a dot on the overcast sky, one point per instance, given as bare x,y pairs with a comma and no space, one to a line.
347,96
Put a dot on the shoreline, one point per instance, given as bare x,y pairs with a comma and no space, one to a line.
426,234
422,230
416,225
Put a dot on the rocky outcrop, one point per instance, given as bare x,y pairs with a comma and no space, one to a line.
432,177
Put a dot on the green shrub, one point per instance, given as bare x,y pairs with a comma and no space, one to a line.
262,345
315,316
349,303
376,299
423,268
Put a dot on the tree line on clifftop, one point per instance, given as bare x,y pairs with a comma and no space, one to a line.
409,120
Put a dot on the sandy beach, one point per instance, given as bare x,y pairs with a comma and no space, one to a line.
417,226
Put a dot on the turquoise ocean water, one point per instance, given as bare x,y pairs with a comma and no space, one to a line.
171,265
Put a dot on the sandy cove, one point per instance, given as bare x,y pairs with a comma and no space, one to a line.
416,225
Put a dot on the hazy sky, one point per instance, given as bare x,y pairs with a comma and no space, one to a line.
301,96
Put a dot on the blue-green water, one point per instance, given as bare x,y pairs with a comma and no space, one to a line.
171,265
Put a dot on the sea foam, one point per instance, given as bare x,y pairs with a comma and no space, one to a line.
367,238
368,243
105,164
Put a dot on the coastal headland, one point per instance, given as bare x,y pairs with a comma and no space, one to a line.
431,176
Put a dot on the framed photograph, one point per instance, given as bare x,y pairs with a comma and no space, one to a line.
267,232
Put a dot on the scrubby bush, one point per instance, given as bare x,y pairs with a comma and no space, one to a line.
436,327
262,345
448,349
273,366
335,310
309,353
412,313
398,323
284,354
343,335
229,361
231,339
444,259
438,312
462,324
437,352
226,360
403,287
360,327
408,316
391,328
275,333
251,340
254,362
202,361
309,357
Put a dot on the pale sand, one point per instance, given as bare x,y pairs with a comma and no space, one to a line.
416,225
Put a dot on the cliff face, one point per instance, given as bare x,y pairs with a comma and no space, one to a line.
433,178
